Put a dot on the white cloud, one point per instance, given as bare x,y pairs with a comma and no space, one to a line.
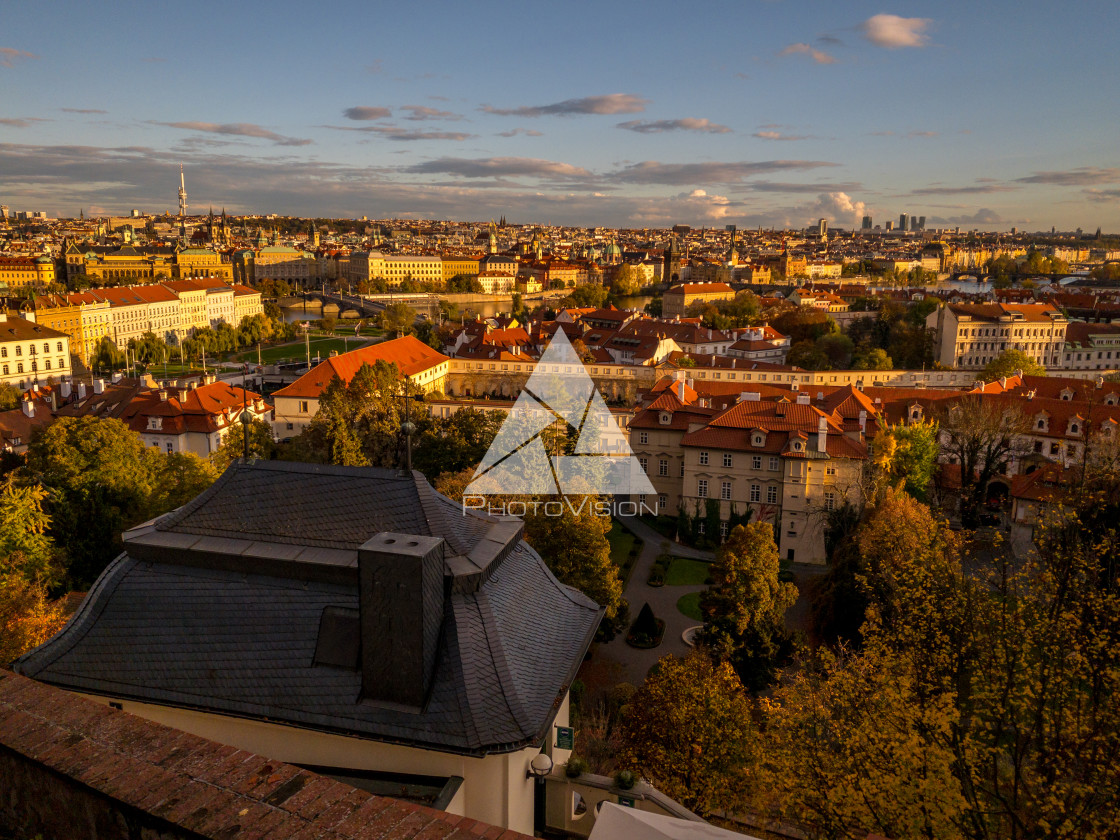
893,32
840,207
817,55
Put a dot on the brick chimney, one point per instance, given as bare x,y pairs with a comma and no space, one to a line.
822,434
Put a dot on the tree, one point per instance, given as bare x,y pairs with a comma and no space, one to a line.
398,318
982,436
875,359
627,280
261,444
1008,363
9,396
458,442
574,546
688,730
23,531
804,324
149,349
808,356
744,607
837,349
106,356
908,454
588,295
27,616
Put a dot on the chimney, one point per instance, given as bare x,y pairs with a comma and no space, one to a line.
802,399
162,395
29,407
65,389
862,421
750,396
820,396
822,434
98,386
400,599
81,390
1003,382
680,390
54,400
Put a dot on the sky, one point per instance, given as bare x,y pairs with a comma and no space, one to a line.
986,115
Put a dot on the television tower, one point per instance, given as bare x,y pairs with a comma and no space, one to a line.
182,194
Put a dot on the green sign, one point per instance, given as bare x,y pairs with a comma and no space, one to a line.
565,738
627,802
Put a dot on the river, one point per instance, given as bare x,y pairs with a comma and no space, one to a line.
488,309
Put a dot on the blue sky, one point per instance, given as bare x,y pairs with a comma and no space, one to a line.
985,115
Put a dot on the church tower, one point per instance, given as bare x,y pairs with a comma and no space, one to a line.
313,238
671,270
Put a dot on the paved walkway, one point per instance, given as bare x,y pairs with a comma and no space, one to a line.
616,661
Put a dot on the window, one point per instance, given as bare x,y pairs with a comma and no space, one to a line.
725,490
4,352
829,501
47,347
774,466
703,459
789,555
756,462
5,370
771,495
723,530
47,364
727,459
702,488
19,368
756,493
303,406
830,470
700,526
643,437
682,469
662,467
19,350
662,501
645,464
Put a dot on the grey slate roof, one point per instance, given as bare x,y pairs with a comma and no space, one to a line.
201,624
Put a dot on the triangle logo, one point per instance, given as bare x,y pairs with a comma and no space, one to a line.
559,391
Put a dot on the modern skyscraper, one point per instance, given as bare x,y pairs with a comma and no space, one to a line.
903,221
921,223
822,227
866,223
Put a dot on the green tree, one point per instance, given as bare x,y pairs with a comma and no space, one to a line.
451,444
1008,363
874,359
688,730
745,607
588,295
398,318
23,532
808,356
106,356
804,324
149,349
261,444
574,546
908,454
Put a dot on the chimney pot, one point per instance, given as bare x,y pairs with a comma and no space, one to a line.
98,386
29,407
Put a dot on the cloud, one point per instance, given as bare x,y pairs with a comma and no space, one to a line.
686,174
365,113
685,124
82,111
783,187
612,103
984,188
1082,176
812,52
10,55
777,135
22,122
983,216
839,206
1102,196
921,134
392,132
499,167
893,32
237,130
423,112
528,132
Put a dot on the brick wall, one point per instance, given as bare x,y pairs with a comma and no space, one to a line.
75,769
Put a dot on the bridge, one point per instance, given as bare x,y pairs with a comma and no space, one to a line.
369,306
1062,279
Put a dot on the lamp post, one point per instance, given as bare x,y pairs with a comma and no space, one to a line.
539,768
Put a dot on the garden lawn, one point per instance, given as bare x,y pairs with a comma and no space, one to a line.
686,572
621,542
690,605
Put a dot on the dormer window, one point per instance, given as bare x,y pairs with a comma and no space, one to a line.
1074,427
665,418
1110,399
797,446
1067,395
758,439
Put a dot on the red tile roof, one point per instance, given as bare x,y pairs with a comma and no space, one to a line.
409,354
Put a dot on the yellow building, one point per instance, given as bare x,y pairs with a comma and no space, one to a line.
83,317
31,353
676,301
201,262
126,263
246,303
22,272
192,306
454,266
279,262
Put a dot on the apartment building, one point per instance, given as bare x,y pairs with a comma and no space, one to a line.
456,266
23,272
789,462
31,353
1091,347
969,335
395,269
192,306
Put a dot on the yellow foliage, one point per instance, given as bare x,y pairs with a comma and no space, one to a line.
27,617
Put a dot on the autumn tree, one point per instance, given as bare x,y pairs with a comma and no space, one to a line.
261,444
983,436
9,396
873,359
745,606
1010,362
574,546
688,730
398,318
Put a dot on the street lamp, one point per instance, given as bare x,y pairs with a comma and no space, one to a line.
540,767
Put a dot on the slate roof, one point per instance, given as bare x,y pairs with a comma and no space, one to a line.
218,607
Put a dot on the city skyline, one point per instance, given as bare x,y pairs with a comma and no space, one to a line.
766,113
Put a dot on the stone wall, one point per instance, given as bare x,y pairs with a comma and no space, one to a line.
75,769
